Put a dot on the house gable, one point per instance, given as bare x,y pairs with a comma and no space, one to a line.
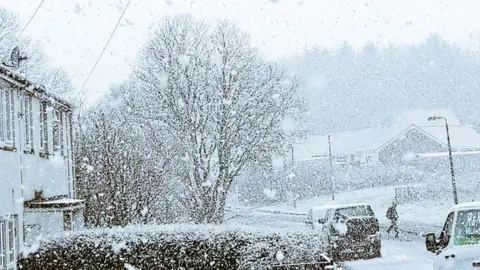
412,140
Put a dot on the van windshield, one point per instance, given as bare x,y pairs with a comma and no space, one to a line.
467,228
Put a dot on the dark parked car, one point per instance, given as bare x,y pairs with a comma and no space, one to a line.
351,230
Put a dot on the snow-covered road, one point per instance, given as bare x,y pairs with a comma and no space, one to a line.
396,254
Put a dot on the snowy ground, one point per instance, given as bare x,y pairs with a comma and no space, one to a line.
397,255
419,216
407,252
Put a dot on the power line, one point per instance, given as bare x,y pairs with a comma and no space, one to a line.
105,47
31,17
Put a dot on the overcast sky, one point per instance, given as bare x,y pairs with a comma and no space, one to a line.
74,32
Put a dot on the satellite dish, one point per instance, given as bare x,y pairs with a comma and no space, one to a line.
16,58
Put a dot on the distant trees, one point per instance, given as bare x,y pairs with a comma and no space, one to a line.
370,86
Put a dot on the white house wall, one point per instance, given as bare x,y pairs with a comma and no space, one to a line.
41,223
10,191
22,173
48,175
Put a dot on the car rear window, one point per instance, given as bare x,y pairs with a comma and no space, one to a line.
355,211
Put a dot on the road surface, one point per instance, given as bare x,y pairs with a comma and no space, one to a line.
396,255
406,253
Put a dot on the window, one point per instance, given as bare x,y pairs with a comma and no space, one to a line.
57,131
9,243
7,117
28,117
369,160
467,228
43,128
2,116
447,231
3,245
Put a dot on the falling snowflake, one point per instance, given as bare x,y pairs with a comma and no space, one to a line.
117,247
280,256
184,60
270,193
144,211
129,267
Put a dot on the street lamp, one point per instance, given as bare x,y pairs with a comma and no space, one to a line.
433,118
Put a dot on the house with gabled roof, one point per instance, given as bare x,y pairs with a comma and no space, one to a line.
410,134
37,179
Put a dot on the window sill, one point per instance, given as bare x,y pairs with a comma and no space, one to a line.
8,148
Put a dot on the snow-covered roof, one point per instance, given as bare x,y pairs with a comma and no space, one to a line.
371,140
18,80
461,137
61,201
54,204
466,206
345,143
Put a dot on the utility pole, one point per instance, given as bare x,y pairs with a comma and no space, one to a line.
331,166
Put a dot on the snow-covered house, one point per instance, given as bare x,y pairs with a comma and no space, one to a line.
410,134
37,188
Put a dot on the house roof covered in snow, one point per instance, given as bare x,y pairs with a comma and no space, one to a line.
345,143
19,81
371,140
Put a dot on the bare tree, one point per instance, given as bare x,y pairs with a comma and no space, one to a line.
118,172
220,100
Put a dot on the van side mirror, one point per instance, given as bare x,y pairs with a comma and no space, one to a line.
431,242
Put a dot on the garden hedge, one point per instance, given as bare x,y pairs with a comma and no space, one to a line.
172,247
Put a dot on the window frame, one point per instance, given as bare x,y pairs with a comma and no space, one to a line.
43,128
8,117
2,117
58,131
9,242
28,133
446,235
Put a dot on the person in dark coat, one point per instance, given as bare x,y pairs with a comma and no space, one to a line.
392,215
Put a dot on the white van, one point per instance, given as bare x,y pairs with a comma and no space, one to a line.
458,246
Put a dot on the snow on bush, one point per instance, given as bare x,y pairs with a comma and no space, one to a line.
174,247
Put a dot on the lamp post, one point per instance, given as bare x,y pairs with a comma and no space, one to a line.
332,180
454,185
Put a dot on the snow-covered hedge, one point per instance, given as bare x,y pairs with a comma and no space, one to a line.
173,247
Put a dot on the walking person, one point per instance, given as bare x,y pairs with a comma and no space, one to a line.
392,215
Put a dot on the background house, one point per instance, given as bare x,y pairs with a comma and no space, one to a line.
37,188
411,133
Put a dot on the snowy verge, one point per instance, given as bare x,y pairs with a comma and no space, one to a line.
177,246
